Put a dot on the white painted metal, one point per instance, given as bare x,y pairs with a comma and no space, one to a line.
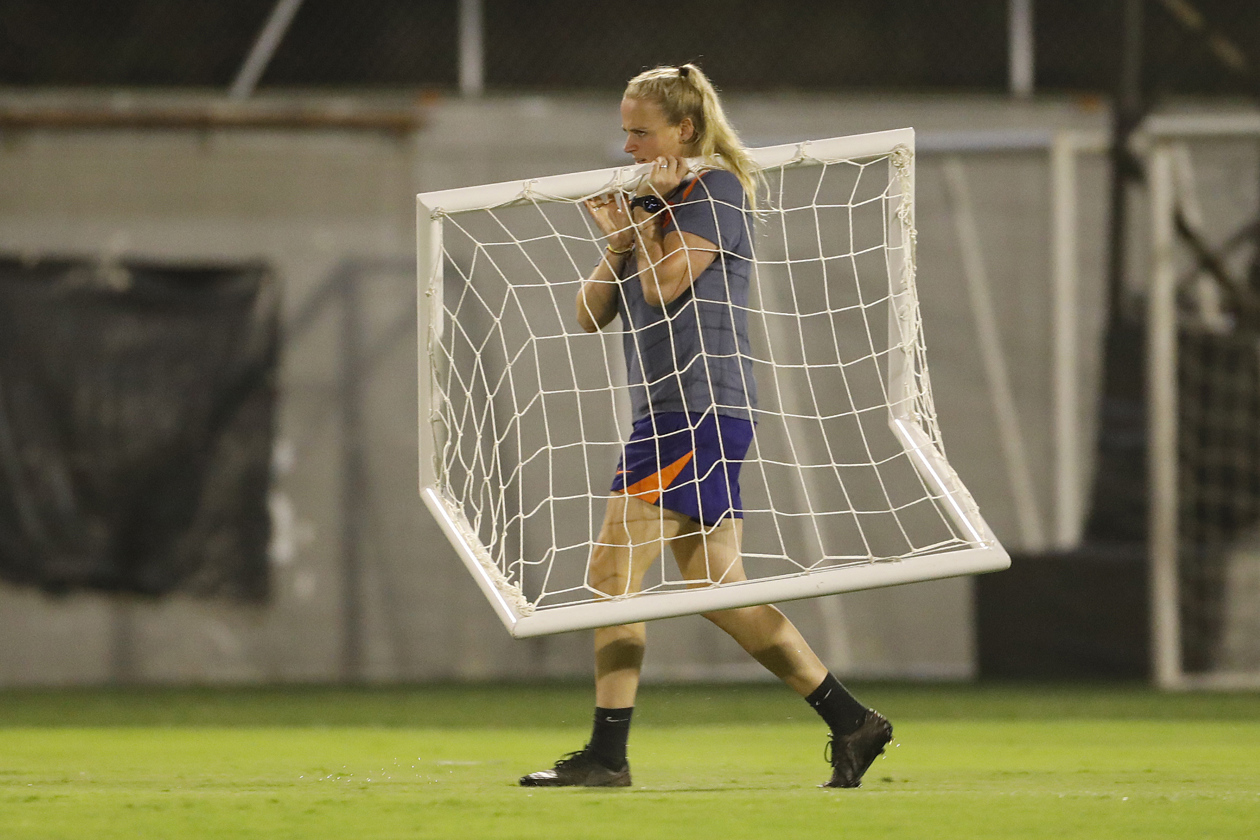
901,313
593,182
472,54
1022,52
264,48
1161,379
1189,126
936,471
429,324
1065,279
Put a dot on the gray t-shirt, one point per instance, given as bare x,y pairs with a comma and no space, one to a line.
694,355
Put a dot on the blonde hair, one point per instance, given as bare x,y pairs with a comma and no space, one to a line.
685,92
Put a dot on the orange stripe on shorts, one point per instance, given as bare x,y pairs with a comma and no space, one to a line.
649,489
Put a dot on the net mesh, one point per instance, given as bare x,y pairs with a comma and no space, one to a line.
530,413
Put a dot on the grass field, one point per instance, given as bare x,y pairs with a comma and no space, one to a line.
715,761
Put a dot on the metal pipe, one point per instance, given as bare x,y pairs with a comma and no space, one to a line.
1161,383
264,47
472,61
1067,473
1022,56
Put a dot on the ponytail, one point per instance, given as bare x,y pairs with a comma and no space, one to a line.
686,92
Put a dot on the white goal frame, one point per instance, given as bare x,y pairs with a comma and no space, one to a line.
1164,135
982,553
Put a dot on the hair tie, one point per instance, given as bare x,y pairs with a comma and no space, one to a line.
684,71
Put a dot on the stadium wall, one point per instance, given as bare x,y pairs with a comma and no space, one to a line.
332,210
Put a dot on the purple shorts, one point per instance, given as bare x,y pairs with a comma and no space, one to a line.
687,463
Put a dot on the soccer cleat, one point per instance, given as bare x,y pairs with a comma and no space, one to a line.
851,755
578,769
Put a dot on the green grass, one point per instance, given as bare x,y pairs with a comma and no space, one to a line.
1005,761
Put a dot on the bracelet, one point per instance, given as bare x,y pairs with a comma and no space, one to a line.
610,249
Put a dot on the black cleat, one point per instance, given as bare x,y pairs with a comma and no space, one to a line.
852,754
578,769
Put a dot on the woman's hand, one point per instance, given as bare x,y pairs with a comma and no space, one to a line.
613,219
667,173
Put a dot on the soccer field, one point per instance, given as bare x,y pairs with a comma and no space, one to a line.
709,761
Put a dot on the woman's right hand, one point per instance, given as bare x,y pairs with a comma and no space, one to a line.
612,216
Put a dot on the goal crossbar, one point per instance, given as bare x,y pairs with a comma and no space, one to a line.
596,181
975,551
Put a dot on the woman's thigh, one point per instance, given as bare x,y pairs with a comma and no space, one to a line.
711,555
630,539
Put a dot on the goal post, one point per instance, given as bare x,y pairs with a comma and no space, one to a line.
522,416
1203,400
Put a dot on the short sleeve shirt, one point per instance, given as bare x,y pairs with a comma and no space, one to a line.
694,354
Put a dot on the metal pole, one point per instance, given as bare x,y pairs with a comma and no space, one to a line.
1161,380
264,47
1022,49
1067,477
471,48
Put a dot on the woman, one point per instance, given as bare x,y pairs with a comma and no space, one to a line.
676,269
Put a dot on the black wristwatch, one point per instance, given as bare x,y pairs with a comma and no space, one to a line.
651,203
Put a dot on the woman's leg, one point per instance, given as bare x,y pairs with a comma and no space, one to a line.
629,542
858,734
765,632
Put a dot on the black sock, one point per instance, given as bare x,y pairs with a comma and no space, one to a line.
840,709
609,736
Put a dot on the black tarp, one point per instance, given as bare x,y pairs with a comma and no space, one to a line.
136,423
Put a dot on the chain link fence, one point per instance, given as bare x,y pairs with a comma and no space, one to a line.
912,45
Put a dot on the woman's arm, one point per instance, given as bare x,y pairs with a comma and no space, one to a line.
670,263
597,297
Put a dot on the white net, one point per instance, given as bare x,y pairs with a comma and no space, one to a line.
526,415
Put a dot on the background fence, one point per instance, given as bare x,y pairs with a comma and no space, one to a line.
912,45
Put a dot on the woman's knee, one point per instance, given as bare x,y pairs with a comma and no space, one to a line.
608,572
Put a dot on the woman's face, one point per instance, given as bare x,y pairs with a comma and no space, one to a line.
649,135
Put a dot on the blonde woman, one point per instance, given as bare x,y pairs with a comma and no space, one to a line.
676,270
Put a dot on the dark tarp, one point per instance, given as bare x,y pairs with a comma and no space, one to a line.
136,423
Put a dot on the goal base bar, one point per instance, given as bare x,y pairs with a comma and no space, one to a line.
654,605
1214,681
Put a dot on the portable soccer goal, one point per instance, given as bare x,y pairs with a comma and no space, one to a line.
523,416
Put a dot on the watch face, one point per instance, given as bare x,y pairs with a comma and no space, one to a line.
650,203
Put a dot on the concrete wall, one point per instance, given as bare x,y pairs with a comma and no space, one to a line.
323,205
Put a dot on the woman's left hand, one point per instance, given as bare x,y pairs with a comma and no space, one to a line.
667,173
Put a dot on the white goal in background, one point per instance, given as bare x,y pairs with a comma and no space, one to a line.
1203,381
522,415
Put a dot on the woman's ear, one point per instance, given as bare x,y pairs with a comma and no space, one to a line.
686,130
